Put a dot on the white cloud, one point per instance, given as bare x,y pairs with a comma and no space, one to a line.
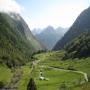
10,6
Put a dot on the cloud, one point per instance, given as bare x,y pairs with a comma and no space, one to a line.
10,6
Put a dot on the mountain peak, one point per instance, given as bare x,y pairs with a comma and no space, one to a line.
49,36
50,28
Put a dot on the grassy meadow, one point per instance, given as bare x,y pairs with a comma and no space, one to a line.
54,59
56,78
5,74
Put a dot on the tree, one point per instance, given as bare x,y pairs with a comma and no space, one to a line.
79,47
88,78
1,84
31,85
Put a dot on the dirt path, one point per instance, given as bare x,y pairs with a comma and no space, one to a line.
34,63
80,72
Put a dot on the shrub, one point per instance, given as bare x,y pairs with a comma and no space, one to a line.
71,68
31,85
1,84
63,86
88,78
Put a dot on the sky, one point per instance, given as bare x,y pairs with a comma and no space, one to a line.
42,13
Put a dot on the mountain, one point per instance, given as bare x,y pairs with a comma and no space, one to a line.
82,24
36,31
79,47
23,27
49,36
17,43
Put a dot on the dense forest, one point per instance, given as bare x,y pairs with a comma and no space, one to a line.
81,24
79,47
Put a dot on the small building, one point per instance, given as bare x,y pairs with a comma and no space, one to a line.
43,78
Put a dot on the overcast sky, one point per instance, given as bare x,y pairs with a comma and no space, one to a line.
41,13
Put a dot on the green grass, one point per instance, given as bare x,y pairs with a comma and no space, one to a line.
56,77
5,74
55,59
25,78
73,81
85,86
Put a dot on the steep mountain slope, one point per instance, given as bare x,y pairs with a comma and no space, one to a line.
49,36
82,24
80,47
23,27
16,41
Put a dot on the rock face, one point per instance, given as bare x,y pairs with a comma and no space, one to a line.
17,43
82,24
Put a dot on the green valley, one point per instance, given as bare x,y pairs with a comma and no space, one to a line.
59,61
55,70
50,64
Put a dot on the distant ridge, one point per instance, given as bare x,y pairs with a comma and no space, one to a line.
49,36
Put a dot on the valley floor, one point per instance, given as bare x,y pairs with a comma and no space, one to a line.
73,73
50,72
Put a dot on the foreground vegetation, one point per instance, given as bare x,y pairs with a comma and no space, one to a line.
5,74
54,59
56,78
52,67
23,82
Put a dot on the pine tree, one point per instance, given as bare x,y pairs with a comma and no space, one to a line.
31,85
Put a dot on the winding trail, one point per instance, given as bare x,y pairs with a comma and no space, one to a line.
79,72
16,76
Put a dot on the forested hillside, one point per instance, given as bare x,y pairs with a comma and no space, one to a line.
79,47
82,24
15,47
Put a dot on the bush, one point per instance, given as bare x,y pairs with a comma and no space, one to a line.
31,85
88,78
1,84
63,86
71,68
